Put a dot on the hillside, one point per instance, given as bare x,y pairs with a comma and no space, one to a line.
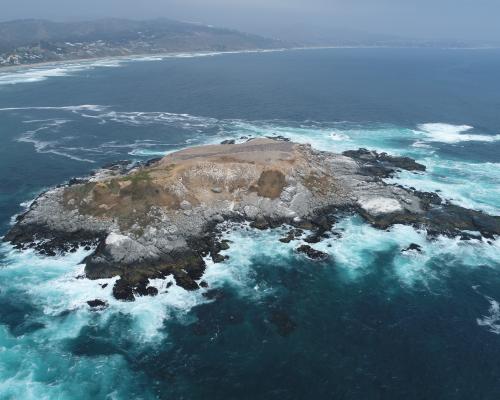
33,41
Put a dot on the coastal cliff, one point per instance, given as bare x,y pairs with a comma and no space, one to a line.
161,218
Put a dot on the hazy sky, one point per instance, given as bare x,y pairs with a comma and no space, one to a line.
438,19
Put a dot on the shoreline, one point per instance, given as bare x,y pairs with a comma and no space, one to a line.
207,53
132,57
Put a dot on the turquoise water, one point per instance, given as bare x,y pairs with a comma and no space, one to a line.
371,323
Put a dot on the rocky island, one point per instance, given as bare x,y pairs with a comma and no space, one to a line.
160,218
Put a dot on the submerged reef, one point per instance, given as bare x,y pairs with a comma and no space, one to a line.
161,218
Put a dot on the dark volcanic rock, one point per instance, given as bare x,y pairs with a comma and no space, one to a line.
97,303
185,281
314,238
313,254
382,165
46,241
123,291
260,223
228,141
413,247
76,181
152,161
278,138
303,224
428,198
445,219
186,267
288,238
214,294
117,165
142,289
450,219
218,258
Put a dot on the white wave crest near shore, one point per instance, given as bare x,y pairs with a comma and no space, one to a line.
41,72
448,133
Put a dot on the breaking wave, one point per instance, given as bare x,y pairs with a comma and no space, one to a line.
470,185
447,133
41,73
38,73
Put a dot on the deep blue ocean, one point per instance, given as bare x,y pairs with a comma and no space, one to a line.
372,323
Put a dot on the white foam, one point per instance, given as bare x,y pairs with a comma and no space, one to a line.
238,272
359,245
57,284
44,72
492,319
447,133
470,185
337,136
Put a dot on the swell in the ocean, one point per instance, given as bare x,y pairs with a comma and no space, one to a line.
379,319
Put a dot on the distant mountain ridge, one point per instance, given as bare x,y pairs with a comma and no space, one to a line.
31,41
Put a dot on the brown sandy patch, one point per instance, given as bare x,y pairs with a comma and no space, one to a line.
271,184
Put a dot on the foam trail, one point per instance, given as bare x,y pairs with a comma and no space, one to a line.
46,146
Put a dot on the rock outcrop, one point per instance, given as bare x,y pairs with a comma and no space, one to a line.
160,218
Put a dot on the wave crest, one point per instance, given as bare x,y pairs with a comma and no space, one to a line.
447,133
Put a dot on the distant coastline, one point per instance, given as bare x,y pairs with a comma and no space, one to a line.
139,57
208,53
34,43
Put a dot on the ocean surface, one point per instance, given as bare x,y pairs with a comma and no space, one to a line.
372,323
